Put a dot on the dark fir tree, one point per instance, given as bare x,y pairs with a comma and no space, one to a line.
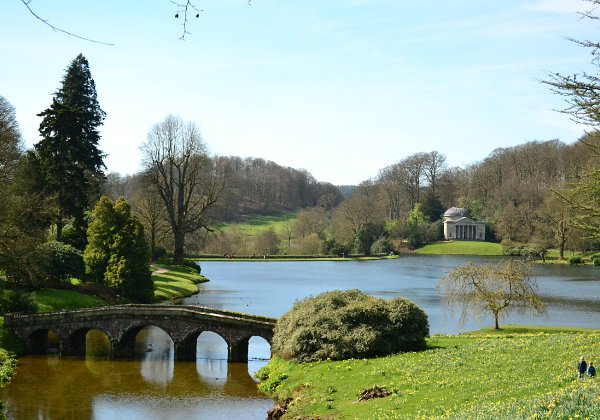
68,153
431,206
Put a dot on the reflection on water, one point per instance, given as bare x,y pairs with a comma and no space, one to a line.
153,386
154,349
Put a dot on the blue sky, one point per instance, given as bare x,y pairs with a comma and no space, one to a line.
339,88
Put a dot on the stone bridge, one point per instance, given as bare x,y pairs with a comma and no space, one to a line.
122,323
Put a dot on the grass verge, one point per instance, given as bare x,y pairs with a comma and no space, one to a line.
519,372
462,248
172,282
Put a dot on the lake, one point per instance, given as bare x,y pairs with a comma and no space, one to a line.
154,386
571,293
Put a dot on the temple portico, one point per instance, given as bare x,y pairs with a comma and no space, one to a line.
459,226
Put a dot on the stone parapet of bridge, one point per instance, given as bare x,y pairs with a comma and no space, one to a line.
121,324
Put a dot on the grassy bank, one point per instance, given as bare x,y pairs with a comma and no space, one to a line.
172,282
518,373
49,300
461,248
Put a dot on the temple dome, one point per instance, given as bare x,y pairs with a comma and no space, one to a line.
455,213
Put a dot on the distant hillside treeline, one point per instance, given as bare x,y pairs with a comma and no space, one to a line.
255,186
514,191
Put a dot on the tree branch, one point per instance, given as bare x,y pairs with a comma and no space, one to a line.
183,10
56,29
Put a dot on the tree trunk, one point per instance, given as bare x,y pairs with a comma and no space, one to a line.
178,251
561,250
496,326
59,230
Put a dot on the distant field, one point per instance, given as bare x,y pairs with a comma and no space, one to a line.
261,223
461,248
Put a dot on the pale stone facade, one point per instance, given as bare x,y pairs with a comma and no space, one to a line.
459,226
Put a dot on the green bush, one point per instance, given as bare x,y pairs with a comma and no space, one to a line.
576,259
382,246
596,260
341,325
193,265
511,249
17,301
158,253
61,261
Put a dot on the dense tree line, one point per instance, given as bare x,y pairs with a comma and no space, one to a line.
519,192
265,186
49,191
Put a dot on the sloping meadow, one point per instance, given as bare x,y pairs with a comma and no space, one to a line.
525,375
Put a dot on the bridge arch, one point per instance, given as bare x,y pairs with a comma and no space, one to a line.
212,345
42,341
121,324
259,348
125,345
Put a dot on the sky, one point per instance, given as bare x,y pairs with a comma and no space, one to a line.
340,88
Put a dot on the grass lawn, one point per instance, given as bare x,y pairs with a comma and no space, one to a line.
172,282
461,248
521,372
50,300
259,224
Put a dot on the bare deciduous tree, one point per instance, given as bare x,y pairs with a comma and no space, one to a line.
188,181
150,210
496,288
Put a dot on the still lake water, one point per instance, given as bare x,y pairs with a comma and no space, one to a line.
571,293
154,386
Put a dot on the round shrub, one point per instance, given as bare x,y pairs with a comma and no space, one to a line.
60,261
348,324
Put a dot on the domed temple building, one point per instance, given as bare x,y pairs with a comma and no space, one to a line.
458,225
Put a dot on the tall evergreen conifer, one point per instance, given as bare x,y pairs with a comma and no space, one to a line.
68,153
117,252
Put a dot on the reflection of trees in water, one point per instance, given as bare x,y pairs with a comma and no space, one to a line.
46,387
583,305
74,387
70,387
